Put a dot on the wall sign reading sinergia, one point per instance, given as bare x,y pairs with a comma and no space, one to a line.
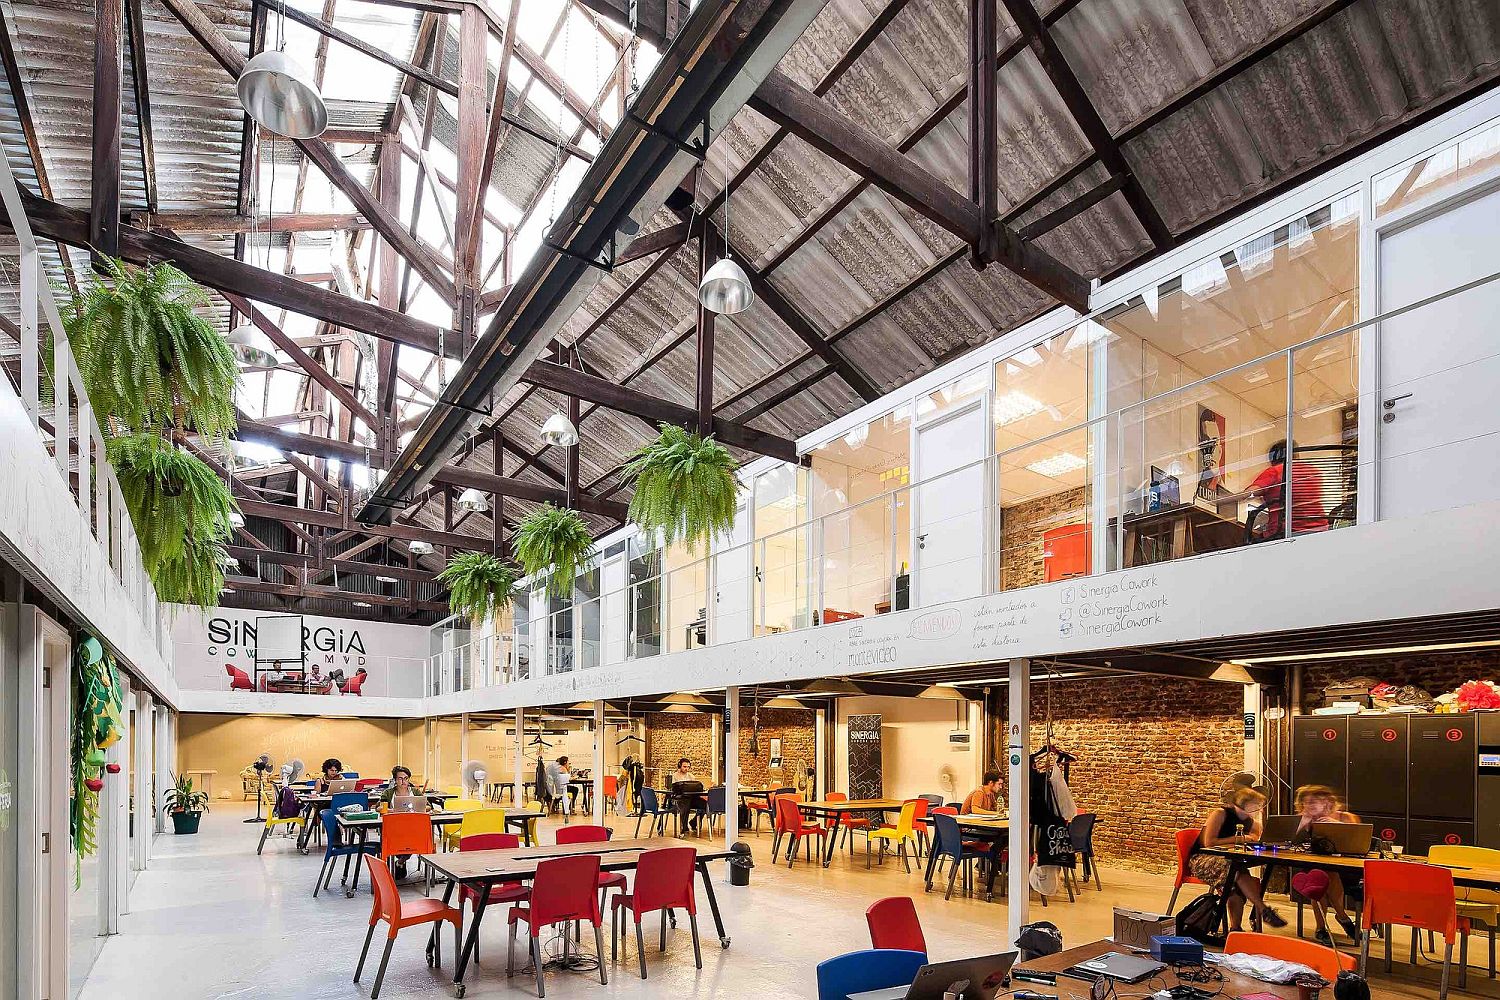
217,652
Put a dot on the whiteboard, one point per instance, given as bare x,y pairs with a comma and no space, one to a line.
278,637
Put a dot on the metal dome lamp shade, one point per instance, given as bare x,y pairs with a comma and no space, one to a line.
252,346
725,288
474,502
281,96
559,431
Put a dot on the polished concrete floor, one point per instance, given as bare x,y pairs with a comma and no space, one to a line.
211,919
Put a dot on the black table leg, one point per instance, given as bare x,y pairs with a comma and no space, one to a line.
1221,908
836,820
471,940
359,860
994,863
713,904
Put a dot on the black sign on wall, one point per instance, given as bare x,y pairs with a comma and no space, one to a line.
865,778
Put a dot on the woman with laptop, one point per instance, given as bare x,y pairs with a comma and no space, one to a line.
333,771
1320,804
400,786
1235,822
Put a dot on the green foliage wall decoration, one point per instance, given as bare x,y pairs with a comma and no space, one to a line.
555,542
478,585
685,487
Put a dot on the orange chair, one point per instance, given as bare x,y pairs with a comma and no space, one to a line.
1414,895
1186,840
766,808
611,789
1324,961
845,822
791,823
406,833
388,907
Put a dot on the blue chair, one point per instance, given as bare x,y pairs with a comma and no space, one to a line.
873,969
651,806
948,842
716,805
334,848
351,774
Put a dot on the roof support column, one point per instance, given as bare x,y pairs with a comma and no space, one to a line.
984,177
1018,790
104,183
732,767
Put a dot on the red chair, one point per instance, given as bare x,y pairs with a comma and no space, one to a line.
789,822
388,907
353,684
563,890
663,881
893,924
406,834
505,892
848,824
238,679
594,835
766,808
1186,839
365,784
1415,895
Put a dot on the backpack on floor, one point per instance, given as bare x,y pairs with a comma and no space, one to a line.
1199,919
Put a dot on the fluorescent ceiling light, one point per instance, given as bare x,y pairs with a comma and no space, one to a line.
386,579
362,604
1015,406
1056,465
1437,647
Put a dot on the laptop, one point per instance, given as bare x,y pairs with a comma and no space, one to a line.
409,804
341,785
1352,839
1281,831
1116,965
975,978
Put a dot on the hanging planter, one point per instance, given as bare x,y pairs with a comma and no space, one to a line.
555,542
175,499
148,359
685,487
478,585
194,577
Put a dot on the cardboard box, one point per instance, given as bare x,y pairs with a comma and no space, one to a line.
1136,928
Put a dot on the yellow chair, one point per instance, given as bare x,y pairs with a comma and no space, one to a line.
900,835
531,835
484,820
1476,905
298,822
450,833
455,790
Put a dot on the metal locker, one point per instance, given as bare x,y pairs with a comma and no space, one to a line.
1391,828
1320,751
1441,773
1424,833
1377,764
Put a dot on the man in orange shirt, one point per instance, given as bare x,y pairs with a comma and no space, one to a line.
1268,490
985,798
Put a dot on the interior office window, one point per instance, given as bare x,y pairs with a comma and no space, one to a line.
955,393
782,547
685,579
520,610
860,497
1438,170
587,617
1198,392
561,613
1044,468
643,572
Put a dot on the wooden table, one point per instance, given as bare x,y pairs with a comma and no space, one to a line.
361,829
834,812
1234,984
482,870
990,828
314,804
1187,529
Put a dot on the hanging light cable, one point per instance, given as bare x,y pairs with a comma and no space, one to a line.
279,94
725,288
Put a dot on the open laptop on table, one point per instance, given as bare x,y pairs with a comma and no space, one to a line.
982,978
1349,839
341,785
408,804
1281,831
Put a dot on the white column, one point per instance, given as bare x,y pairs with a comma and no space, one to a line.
463,748
114,823
162,757
1253,703
732,769
520,799
1018,750
141,779
598,768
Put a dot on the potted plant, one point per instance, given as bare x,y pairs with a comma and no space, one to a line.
175,498
554,541
186,803
478,585
685,487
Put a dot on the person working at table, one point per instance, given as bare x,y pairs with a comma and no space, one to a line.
1320,804
558,775
689,806
985,798
332,771
1269,491
1235,822
400,784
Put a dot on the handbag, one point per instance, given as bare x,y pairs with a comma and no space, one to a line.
1199,919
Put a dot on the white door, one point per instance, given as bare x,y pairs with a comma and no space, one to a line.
950,504
1439,426
612,612
45,862
732,575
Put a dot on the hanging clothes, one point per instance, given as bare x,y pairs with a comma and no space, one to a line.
1061,794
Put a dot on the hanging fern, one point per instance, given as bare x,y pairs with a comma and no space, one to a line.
478,585
173,498
684,487
147,358
194,577
556,542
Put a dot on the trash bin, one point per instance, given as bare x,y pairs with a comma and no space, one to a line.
740,864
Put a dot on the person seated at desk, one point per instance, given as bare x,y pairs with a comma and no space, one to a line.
690,807
1236,822
558,774
985,798
1320,804
333,771
1268,490
400,785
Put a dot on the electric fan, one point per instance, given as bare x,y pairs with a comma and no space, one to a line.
1244,779
476,773
295,772
262,764
948,782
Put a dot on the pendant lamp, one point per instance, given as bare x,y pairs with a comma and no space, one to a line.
473,502
279,93
559,431
726,288
420,548
252,346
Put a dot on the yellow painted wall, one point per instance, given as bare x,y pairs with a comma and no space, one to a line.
226,743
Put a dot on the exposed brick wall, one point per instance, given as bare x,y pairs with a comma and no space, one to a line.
670,737
1021,529
799,743
1435,674
1153,753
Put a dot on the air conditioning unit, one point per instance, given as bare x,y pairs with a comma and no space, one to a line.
959,739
